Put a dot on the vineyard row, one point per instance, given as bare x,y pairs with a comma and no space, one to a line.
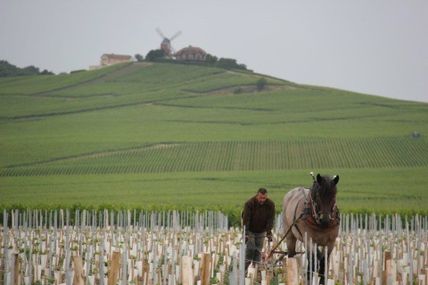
236,155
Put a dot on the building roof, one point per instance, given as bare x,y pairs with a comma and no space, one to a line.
190,49
116,56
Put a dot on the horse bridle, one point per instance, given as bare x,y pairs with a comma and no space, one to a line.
316,215
313,210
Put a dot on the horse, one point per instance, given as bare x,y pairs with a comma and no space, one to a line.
314,213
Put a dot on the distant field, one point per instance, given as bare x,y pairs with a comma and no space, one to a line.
169,135
398,190
304,153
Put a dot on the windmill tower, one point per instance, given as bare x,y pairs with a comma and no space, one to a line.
166,42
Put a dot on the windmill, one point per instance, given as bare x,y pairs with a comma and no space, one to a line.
166,42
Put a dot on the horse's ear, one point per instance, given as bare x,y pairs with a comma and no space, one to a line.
319,178
336,179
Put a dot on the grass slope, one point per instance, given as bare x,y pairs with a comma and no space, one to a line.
169,135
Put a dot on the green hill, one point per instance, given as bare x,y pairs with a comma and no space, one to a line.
153,135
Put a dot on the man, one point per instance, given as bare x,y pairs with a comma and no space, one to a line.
257,217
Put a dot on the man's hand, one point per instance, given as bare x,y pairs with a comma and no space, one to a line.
269,236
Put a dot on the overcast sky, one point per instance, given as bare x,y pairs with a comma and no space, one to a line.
377,47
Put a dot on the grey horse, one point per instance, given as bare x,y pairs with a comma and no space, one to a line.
314,213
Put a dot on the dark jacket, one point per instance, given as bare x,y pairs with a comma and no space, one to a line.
258,218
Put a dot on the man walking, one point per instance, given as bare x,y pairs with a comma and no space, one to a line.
258,217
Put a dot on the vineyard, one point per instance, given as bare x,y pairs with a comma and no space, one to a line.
170,136
137,174
233,156
129,247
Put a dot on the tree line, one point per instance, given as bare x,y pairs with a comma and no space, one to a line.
158,55
7,69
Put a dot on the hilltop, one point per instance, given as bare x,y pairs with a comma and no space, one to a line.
158,134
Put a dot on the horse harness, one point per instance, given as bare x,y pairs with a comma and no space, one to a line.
311,216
